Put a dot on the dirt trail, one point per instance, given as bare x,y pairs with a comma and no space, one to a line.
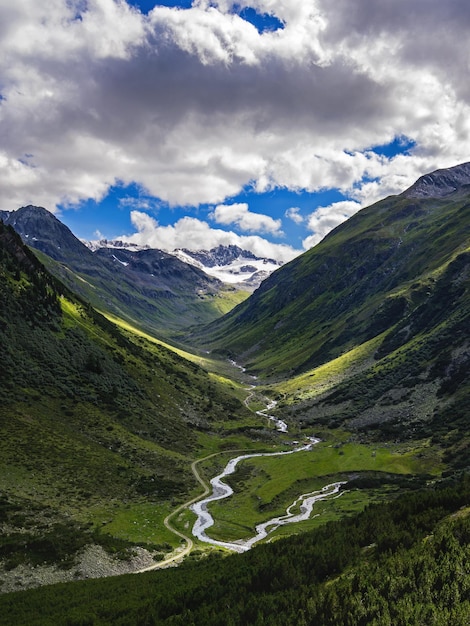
179,553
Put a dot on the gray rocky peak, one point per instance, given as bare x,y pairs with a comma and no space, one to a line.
440,183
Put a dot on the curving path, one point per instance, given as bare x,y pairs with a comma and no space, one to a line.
179,554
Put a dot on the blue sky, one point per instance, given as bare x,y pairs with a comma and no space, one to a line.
263,123
110,218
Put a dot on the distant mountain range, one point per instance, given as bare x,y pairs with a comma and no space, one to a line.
229,264
158,291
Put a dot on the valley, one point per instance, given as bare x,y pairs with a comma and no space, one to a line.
331,403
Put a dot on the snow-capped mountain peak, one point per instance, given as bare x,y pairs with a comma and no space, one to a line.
231,264
106,243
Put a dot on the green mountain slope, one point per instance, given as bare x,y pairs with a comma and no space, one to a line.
149,288
369,330
92,420
358,282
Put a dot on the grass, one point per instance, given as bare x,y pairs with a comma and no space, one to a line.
327,376
227,299
137,522
349,503
134,330
221,370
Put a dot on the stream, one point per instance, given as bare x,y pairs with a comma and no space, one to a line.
221,490
280,425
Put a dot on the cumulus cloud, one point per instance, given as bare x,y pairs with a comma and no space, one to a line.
324,219
195,234
196,104
240,215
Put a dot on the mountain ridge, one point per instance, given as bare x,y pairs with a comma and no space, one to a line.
231,264
368,331
440,183
384,242
228,263
150,288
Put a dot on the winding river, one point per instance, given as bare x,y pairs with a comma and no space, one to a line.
280,425
221,490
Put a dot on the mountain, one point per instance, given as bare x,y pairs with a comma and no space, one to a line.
440,183
369,329
230,264
349,287
222,255
95,424
41,230
149,288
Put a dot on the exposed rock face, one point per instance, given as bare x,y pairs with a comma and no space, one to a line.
440,183
40,229
221,255
148,266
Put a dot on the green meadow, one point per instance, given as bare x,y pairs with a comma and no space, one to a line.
265,486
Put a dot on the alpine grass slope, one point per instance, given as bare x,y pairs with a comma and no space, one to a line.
93,420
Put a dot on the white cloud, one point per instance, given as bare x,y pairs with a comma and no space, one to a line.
195,104
293,213
240,215
324,219
139,203
195,234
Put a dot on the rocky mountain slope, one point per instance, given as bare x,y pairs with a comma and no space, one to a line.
231,265
440,183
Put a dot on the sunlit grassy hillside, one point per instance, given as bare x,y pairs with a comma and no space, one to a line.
93,419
